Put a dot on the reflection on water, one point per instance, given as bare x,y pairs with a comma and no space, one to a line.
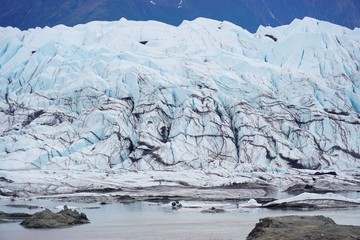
143,220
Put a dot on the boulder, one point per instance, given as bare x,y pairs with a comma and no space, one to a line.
302,227
176,205
49,219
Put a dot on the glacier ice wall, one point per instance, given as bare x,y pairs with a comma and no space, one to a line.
204,95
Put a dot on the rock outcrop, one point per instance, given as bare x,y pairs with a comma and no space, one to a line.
176,205
302,227
49,219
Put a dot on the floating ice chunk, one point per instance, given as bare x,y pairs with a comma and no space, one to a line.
316,200
252,203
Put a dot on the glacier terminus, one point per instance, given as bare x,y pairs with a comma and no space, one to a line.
204,104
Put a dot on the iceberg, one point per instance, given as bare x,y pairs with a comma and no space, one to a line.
314,200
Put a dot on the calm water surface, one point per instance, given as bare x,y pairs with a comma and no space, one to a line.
144,220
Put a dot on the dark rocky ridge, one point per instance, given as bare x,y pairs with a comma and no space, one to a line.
48,219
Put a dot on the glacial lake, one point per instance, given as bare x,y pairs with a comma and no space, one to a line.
157,221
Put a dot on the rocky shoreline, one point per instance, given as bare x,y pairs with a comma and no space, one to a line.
302,227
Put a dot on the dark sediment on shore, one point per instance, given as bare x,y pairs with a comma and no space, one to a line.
231,192
302,188
302,227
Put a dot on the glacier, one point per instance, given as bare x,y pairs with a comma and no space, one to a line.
132,103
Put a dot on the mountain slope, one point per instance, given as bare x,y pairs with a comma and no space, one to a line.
245,13
206,96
